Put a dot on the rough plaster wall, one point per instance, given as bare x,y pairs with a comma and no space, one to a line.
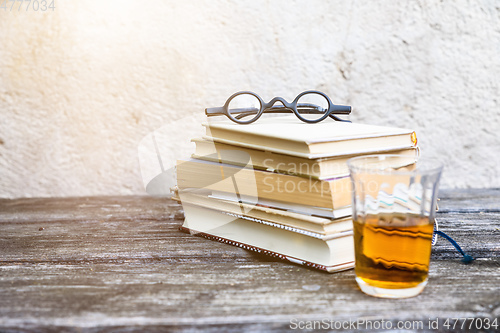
82,85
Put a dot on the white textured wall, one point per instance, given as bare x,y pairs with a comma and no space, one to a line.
80,86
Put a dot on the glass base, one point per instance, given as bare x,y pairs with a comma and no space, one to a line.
390,293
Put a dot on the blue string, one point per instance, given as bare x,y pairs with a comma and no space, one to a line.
467,259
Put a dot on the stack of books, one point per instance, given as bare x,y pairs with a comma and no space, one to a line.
280,186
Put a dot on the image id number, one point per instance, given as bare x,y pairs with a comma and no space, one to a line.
471,323
28,5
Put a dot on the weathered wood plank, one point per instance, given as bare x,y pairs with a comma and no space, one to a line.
119,263
469,200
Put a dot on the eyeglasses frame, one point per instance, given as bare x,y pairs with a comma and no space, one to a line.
333,109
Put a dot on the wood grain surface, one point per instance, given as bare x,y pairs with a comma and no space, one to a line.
120,264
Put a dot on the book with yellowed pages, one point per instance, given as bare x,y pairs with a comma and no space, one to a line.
247,182
287,206
321,168
333,252
314,226
290,136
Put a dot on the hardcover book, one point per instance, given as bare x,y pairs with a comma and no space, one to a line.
331,253
247,182
320,168
308,224
288,135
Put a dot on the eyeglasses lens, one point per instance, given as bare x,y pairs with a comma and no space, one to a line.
244,107
312,106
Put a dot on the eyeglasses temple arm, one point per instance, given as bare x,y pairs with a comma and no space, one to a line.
341,109
338,119
214,111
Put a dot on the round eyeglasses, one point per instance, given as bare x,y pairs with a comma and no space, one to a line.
310,106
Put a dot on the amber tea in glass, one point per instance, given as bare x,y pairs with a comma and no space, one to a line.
394,200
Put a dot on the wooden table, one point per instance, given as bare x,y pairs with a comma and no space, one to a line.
120,264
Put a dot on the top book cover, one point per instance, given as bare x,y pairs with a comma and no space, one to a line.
288,135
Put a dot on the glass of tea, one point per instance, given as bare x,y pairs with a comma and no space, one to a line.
394,205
